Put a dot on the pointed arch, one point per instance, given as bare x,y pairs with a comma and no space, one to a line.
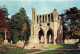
41,36
50,36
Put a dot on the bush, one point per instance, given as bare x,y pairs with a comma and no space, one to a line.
15,37
25,36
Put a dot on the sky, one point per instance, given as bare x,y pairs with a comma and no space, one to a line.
42,6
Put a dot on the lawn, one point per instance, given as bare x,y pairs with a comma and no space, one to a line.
64,46
19,51
12,49
55,52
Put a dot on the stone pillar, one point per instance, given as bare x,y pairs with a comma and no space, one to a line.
5,41
39,19
35,18
50,18
31,31
36,39
50,39
61,34
33,14
45,38
47,18
55,33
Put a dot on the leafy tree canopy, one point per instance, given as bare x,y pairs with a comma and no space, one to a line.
72,19
18,20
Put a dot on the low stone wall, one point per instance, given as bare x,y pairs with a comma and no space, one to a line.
70,41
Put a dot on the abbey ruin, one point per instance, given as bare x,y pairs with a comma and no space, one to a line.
46,29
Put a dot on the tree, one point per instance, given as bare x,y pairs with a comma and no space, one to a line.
72,17
18,20
24,28
15,36
4,23
65,30
1,38
76,33
22,10
25,36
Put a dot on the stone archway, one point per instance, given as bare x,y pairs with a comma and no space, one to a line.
50,36
41,36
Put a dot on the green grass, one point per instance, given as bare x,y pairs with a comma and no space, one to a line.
19,51
64,46
54,52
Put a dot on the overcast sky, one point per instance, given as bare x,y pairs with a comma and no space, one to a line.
42,6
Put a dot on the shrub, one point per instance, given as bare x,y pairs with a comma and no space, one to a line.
15,37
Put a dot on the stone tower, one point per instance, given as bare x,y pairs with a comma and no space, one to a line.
46,29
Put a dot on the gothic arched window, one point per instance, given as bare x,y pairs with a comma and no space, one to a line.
43,18
49,18
52,17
